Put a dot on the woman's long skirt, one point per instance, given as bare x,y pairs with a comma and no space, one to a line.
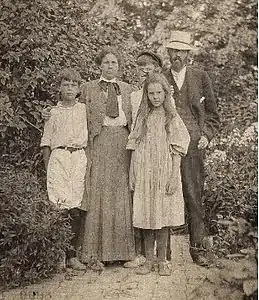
108,228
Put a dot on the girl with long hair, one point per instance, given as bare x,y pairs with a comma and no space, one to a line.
158,141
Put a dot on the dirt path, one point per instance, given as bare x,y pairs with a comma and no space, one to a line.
120,283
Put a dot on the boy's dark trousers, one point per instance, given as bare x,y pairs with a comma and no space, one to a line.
139,241
77,219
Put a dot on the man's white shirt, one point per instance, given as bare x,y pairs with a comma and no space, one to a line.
179,77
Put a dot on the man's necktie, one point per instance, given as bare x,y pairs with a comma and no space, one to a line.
112,107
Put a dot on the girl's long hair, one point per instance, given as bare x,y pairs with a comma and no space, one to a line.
146,106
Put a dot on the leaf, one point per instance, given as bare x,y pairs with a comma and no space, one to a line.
214,276
225,222
248,251
235,255
250,286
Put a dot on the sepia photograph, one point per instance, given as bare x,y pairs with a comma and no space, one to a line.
129,150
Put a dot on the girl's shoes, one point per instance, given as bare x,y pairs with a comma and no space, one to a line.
136,262
164,269
75,264
95,265
146,268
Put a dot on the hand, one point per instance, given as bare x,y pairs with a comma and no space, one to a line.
171,185
132,186
203,142
46,113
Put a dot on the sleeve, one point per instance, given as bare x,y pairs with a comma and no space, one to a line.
135,103
47,133
133,88
84,99
132,175
83,107
131,145
211,113
86,124
83,93
179,137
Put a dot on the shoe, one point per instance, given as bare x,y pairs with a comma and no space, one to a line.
201,260
199,255
136,262
145,269
95,265
75,264
164,269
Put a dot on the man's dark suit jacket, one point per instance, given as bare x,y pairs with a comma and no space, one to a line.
201,99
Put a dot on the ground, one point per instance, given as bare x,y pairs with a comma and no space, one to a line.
119,283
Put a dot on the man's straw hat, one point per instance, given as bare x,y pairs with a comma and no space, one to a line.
180,40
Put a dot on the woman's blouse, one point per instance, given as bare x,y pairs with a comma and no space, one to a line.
66,127
121,119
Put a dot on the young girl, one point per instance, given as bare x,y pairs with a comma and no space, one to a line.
63,142
147,62
159,139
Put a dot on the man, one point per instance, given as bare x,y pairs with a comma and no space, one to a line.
196,105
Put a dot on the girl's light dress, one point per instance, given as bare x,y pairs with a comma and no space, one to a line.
67,127
151,168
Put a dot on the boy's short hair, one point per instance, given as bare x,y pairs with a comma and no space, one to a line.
148,57
69,74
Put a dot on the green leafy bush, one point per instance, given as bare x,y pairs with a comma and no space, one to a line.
33,234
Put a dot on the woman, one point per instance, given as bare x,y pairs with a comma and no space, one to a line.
108,232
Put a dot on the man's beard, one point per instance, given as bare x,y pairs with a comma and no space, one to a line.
177,64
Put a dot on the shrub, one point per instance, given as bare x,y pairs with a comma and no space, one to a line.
33,234
231,188
71,32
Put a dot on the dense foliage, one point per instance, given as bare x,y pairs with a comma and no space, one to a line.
40,37
33,234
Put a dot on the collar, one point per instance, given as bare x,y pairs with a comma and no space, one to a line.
60,104
177,74
107,80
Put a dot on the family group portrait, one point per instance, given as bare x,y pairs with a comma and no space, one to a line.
128,150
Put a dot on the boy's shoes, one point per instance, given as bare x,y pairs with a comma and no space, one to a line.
145,269
75,264
164,269
136,262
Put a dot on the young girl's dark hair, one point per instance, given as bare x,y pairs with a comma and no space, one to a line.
146,106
